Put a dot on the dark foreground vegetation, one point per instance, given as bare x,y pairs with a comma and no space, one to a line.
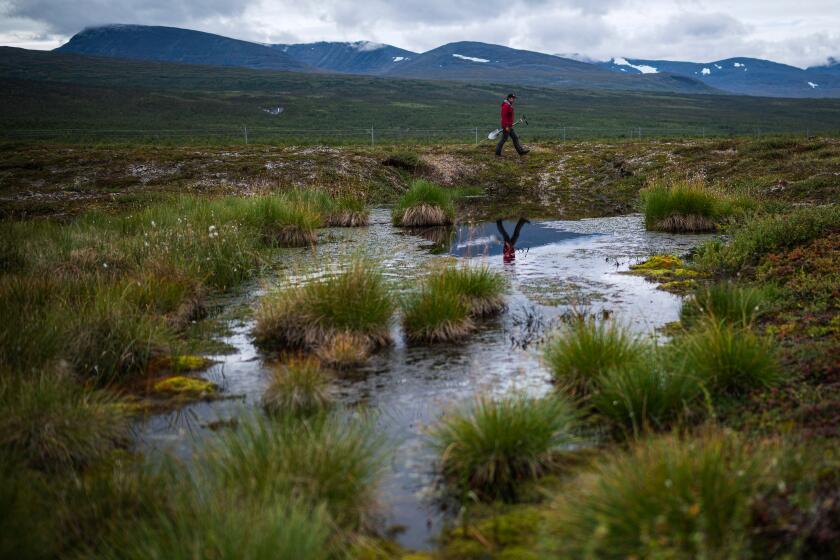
719,442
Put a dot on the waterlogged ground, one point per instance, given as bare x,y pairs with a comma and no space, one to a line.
560,268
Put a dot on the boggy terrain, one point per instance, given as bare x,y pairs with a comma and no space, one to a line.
716,441
568,180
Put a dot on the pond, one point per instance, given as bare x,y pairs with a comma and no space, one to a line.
554,269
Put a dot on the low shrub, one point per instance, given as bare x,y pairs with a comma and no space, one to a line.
494,445
298,387
585,349
425,204
761,235
53,423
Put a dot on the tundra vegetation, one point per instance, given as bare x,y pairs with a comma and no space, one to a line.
424,204
718,441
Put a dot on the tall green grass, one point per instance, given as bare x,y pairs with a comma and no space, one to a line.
584,349
493,446
334,460
726,301
729,360
666,498
298,387
482,289
353,301
687,206
424,204
50,422
761,235
436,313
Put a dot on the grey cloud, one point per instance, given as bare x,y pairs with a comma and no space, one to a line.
63,16
699,26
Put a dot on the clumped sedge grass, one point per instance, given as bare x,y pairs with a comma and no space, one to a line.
51,422
298,387
481,289
643,394
307,317
345,350
436,313
667,497
737,305
425,204
286,222
492,446
331,459
223,527
686,206
759,236
584,349
347,212
728,359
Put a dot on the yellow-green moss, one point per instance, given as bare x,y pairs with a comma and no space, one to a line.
509,534
659,262
190,363
680,287
180,385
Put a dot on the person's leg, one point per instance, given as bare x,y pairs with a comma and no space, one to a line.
516,143
501,143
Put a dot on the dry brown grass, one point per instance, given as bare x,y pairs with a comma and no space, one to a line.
424,215
692,223
347,218
293,236
446,331
345,350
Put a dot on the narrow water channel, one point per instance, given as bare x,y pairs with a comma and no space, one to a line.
554,268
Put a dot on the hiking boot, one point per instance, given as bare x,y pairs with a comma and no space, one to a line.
525,151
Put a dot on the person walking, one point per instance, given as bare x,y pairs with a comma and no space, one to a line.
507,127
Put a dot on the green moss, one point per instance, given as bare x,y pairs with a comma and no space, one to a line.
659,262
189,387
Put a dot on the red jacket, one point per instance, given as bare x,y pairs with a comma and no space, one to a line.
507,114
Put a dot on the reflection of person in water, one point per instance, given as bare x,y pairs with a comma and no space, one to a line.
509,250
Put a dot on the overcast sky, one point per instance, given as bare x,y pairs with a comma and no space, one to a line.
800,33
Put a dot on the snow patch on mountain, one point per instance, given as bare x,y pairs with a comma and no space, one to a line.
813,85
705,71
470,58
718,66
739,65
399,58
643,68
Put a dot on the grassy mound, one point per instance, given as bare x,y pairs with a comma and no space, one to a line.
725,301
494,445
287,221
425,204
436,314
308,317
298,387
585,349
347,212
481,289
686,206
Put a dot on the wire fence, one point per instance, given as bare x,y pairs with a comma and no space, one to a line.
374,136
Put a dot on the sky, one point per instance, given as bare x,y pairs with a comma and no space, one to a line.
800,33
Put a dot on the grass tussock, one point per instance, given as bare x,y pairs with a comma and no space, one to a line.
333,460
347,212
425,204
710,496
308,317
298,387
345,350
481,289
584,349
762,235
51,422
494,445
728,359
436,314
687,206
737,305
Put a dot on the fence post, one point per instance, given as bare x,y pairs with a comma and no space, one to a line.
476,136
564,134
245,131
640,133
371,137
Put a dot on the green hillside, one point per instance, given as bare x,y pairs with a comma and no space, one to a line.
43,94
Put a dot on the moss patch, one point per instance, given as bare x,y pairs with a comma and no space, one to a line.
186,387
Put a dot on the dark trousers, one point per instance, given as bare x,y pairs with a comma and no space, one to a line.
513,137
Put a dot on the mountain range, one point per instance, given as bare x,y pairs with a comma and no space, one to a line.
460,61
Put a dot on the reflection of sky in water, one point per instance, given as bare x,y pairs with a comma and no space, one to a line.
484,239
568,266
